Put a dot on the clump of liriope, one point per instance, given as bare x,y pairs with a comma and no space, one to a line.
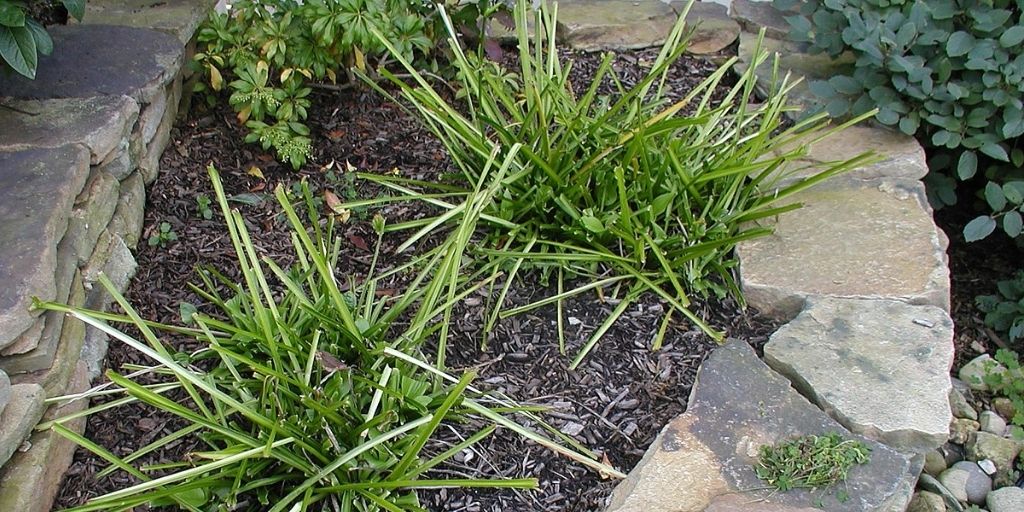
812,462
305,395
634,190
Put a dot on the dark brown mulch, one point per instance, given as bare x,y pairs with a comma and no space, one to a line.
614,404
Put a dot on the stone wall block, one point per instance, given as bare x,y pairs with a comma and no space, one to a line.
128,216
180,18
66,353
150,163
99,123
29,482
37,190
114,260
93,211
21,414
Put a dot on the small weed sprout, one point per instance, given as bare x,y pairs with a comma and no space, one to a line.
203,206
163,235
812,462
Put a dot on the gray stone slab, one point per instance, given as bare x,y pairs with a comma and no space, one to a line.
21,414
37,190
99,123
754,15
95,60
180,18
879,367
713,30
149,166
875,242
131,205
704,459
119,164
150,117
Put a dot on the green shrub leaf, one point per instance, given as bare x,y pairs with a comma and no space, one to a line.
995,150
967,165
76,8
18,48
994,196
11,15
959,44
979,228
1012,37
1014,192
1012,223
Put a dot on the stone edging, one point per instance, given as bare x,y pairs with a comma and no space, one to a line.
77,147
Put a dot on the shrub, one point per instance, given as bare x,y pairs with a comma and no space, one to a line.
949,72
306,394
1005,377
626,184
265,52
23,39
1005,312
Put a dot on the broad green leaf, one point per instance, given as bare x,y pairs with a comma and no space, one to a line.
845,84
994,196
186,311
967,165
18,48
11,15
76,8
1014,192
1012,223
995,150
1012,37
44,44
959,43
979,228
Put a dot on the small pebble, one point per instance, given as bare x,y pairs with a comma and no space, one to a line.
992,423
935,463
959,406
1007,499
1004,407
961,429
987,466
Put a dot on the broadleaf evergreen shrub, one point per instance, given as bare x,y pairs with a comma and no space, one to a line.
266,52
1005,312
950,72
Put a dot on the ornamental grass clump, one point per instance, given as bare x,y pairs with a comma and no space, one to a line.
632,189
309,393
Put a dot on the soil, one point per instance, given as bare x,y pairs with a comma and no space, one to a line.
614,404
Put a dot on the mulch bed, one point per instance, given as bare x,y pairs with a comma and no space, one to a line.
615,403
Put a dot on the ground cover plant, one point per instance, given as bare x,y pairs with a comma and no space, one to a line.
266,53
311,393
630,190
811,462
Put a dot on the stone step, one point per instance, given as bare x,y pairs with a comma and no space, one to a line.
879,367
591,25
704,459
871,241
37,190
753,15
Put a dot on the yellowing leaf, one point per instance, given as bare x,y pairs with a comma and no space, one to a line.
243,115
216,79
255,171
262,66
332,76
286,73
306,73
349,167
360,59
